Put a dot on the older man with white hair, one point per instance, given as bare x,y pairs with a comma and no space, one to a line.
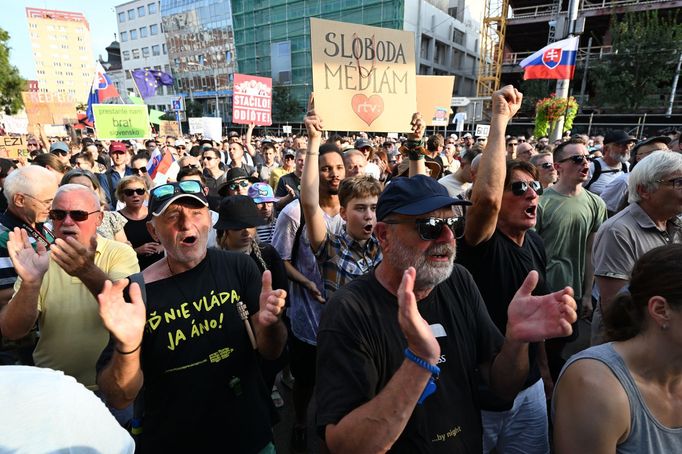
649,221
57,288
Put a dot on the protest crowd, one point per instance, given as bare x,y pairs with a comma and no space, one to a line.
417,294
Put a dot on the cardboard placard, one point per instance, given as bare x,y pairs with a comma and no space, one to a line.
49,108
169,128
121,121
13,146
252,100
364,77
434,94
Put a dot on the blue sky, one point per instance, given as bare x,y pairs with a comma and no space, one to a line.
100,14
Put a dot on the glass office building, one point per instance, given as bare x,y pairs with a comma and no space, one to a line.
273,36
200,41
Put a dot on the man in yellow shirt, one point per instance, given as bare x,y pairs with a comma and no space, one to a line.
56,288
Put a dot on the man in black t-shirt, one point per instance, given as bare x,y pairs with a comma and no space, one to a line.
382,335
192,346
499,250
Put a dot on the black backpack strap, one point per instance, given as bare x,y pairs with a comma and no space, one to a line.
595,175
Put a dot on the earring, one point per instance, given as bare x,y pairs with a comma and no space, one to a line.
664,327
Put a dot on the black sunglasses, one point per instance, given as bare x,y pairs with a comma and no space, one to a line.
519,188
139,170
546,165
576,159
190,166
430,229
60,152
76,215
235,185
130,192
166,191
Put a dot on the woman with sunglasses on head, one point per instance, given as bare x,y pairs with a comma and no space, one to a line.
112,221
236,232
625,396
133,191
51,163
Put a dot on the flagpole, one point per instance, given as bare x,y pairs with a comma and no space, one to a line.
137,89
563,85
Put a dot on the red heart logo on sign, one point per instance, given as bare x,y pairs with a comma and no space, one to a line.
368,109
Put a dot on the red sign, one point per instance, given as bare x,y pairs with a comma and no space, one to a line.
252,100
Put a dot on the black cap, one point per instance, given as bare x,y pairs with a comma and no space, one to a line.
656,139
619,137
362,143
238,212
414,196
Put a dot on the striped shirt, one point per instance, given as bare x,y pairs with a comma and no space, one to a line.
341,259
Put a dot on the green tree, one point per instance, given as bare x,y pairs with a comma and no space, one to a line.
285,108
11,83
193,108
639,72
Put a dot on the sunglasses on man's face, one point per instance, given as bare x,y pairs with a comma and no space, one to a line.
519,188
139,170
546,165
430,229
190,166
234,186
131,192
60,152
577,159
76,215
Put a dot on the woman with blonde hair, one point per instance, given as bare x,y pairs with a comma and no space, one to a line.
133,191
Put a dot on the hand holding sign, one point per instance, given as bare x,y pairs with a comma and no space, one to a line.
313,123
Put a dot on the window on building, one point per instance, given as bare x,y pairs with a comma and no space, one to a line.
424,51
124,37
126,55
145,52
141,11
163,46
151,8
441,53
156,50
121,17
459,37
143,32
133,34
131,14
136,54
154,29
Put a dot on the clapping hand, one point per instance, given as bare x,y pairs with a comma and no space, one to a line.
536,318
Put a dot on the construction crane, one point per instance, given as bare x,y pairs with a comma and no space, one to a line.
492,46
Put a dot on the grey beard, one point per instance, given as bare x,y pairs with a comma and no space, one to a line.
428,275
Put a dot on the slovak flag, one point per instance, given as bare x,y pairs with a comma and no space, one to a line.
159,165
101,90
554,61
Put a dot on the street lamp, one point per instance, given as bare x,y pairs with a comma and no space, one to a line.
215,83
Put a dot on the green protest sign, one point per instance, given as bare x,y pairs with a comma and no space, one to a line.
121,121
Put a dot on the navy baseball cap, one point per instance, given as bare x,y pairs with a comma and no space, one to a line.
414,196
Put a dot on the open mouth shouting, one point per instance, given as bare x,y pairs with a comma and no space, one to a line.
531,211
368,229
188,240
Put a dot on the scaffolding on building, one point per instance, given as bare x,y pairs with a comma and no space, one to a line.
492,47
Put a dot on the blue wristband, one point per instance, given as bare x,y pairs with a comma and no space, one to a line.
435,371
